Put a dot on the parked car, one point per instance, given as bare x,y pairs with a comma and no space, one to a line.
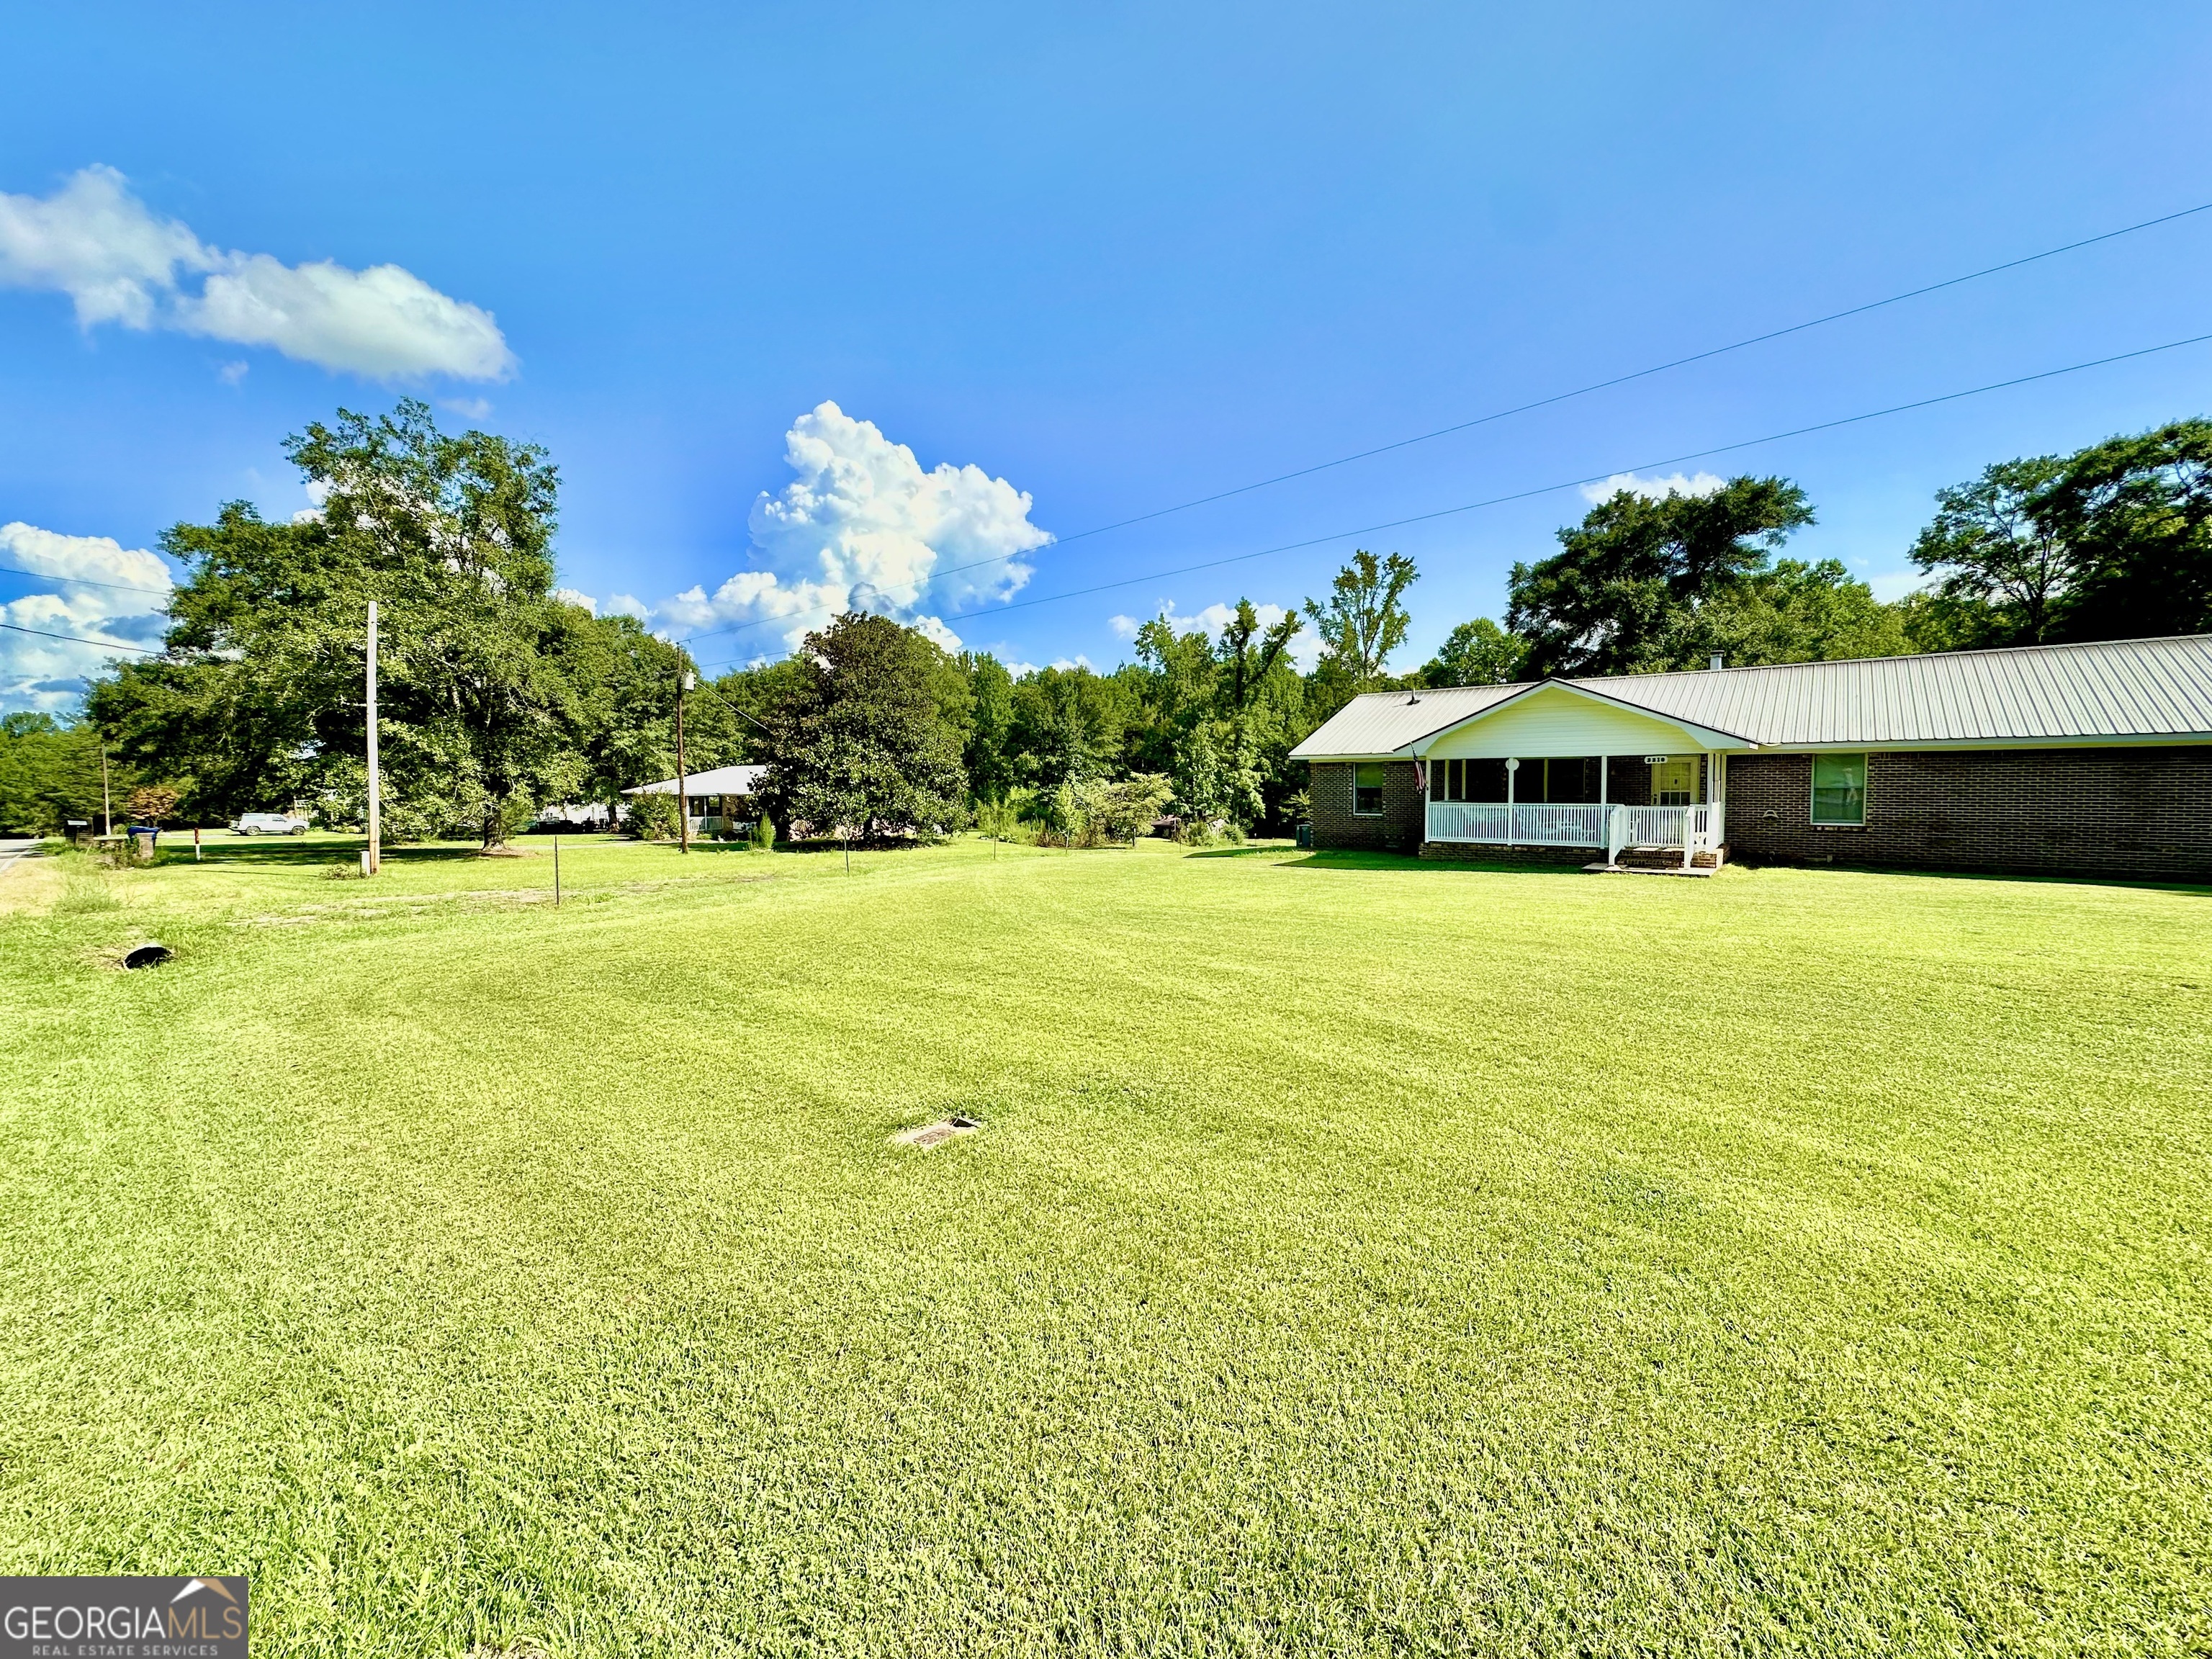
269,824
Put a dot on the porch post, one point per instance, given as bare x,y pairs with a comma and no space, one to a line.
1690,813
1604,766
1512,812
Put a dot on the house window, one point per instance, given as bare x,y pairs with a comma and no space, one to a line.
1367,789
1466,780
1839,788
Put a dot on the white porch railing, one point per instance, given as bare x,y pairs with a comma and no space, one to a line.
1500,825
1692,830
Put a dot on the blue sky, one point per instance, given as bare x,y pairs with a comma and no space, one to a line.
1115,260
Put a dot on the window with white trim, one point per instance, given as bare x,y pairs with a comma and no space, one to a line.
1367,789
1839,788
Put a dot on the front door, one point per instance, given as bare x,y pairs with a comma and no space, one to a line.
1674,782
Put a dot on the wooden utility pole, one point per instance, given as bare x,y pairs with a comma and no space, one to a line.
375,858
684,682
107,808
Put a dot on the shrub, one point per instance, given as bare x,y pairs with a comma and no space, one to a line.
651,817
764,832
1210,832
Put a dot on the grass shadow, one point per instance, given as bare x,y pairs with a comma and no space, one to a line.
2046,878
1407,861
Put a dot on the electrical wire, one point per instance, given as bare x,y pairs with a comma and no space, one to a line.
83,581
1540,403
78,639
1567,483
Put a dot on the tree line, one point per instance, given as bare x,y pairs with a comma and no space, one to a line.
498,696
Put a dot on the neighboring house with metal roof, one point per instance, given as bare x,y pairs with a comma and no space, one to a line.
2063,757
720,795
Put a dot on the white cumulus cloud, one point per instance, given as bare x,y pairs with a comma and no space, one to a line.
38,672
121,262
1655,488
861,526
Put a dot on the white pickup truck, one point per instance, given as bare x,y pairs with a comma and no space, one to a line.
269,824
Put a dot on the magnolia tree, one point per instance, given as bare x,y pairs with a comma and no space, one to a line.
863,747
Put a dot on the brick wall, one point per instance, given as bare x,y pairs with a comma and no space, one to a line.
2112,812
1405,816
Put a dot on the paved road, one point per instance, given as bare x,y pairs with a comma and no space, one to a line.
12,850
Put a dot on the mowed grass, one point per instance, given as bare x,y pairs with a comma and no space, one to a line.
1357,1257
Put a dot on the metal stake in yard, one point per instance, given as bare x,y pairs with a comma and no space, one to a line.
372,855
556,870
684,682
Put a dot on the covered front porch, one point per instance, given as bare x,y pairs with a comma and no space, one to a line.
1617,827
1521,776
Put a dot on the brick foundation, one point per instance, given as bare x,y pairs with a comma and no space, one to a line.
2109,812
1487,852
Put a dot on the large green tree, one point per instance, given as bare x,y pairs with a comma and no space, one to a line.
1364,618
1477,652
988,750
1623,595
259,694
1069,724
50,774
626,684
866,747
2004,570
1792,612
2134,516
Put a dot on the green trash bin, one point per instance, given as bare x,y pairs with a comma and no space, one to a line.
1305,834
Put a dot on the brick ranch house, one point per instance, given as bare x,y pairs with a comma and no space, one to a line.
2062,759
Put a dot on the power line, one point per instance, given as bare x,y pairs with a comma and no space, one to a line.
83,581
1524,409
1593,477
78,639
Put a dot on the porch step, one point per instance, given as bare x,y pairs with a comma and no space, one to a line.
1706,870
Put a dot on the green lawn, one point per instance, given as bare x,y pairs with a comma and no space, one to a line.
1357,1256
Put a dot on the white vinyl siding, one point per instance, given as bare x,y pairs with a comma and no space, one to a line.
1552,721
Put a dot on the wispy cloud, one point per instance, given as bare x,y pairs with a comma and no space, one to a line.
120,262
117,595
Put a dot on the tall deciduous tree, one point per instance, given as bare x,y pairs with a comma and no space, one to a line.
2135,515
1477,652
1622,594
1248,650
1365,618
988,750
49,774
259,693
2005,570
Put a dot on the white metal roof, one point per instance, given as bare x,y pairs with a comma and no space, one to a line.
2110,688
721,781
